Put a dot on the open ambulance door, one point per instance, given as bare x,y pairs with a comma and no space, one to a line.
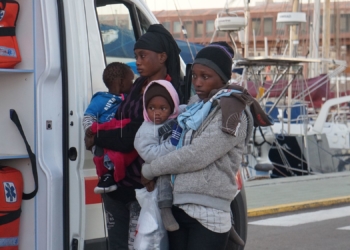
76,76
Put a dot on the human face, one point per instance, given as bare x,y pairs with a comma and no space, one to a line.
148,62
204,80
158,110
126,82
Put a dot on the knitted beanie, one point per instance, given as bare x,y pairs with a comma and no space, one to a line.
158,90
217,56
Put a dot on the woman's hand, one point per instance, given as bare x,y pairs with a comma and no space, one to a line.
89,141
149,184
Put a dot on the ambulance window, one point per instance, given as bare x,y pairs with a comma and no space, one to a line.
117,33
144,22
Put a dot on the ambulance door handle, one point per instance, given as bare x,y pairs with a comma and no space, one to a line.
72,154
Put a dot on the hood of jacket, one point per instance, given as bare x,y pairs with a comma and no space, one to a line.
175,97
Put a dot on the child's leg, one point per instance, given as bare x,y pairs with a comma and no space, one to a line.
108,163
98,160
106,183
165,202
98,151
119,161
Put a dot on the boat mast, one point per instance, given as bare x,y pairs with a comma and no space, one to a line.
293,46
326,33
293,35
314,38
184,31
247,28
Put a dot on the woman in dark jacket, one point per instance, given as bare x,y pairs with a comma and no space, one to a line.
157,57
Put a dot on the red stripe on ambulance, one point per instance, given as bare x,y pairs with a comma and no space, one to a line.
90,196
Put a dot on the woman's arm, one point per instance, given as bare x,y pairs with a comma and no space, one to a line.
121,139
112,124
208,147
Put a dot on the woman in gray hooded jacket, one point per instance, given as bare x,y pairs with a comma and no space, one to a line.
216,127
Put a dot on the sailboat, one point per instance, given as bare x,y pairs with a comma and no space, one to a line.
302,141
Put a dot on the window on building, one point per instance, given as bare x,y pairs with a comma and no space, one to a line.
209,28
166,25
176,29
333,23
321,24
344,22
303,28
268,26
256,26
198,28
221,33
280,29
189,28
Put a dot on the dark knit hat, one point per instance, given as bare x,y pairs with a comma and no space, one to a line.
158,39
217,56
158,90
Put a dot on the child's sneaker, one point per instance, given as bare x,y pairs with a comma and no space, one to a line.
106,184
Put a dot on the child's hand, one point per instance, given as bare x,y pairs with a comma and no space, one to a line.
149,184
176,134
165,130
88,132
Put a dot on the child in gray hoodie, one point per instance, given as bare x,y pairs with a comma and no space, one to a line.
161,107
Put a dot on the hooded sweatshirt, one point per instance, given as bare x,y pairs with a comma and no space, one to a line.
147,142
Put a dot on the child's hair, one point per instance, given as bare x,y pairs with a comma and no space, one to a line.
114,70
157,89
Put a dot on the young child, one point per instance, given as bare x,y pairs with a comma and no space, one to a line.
161,105
110,165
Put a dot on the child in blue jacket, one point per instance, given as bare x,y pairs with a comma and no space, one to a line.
110,165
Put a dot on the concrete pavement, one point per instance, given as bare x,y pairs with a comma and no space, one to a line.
269,196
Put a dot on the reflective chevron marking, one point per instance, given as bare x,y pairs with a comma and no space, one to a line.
344,228
90,196
303,218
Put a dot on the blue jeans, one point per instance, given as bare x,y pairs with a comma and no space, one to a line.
122,211
194,236
165,191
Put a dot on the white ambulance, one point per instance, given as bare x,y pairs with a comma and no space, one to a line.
65,45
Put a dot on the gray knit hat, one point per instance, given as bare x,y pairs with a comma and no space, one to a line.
217,56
